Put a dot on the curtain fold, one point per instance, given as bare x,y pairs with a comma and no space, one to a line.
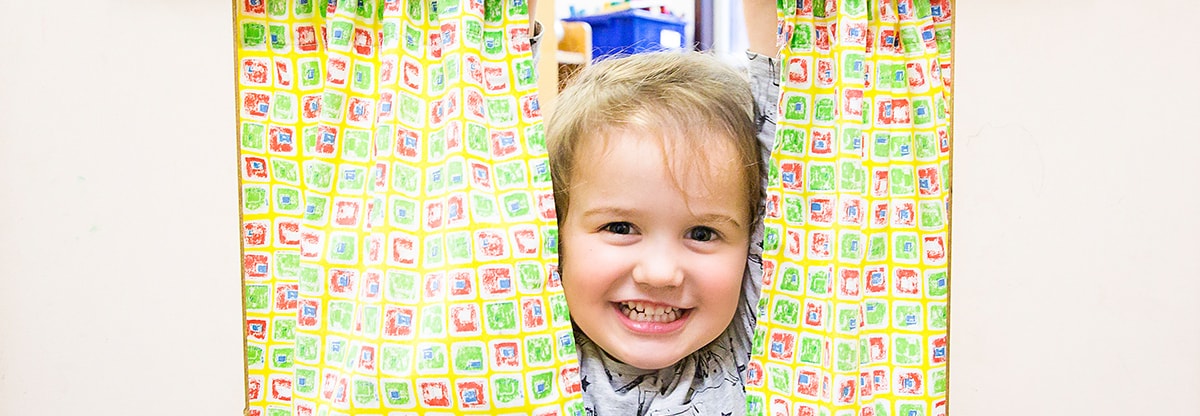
399,240
854,312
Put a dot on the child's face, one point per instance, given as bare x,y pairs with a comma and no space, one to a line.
653,269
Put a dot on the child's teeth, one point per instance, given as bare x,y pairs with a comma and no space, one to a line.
639,311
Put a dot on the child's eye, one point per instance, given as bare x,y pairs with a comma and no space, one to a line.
618,228
702,234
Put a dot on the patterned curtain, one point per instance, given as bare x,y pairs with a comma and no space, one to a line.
398,226
853,318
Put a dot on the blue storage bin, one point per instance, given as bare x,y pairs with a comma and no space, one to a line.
633,31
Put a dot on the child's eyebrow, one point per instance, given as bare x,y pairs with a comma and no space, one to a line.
608,211
718,218
626,213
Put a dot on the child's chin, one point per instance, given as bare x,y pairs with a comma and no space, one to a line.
650,363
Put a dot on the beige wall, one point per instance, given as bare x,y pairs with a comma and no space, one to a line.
1076,221
119,290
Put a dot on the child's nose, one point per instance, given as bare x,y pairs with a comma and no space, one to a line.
658,268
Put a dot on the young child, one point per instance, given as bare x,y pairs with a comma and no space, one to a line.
657,162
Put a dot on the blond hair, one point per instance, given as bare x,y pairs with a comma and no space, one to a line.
689,96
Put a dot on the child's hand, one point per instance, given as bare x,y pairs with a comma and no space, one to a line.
761,23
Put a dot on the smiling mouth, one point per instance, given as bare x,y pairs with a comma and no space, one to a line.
646,312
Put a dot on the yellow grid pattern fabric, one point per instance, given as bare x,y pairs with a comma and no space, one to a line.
399,243
853,317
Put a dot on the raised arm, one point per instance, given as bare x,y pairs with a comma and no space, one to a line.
764,66
532,15
763,69
761,24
